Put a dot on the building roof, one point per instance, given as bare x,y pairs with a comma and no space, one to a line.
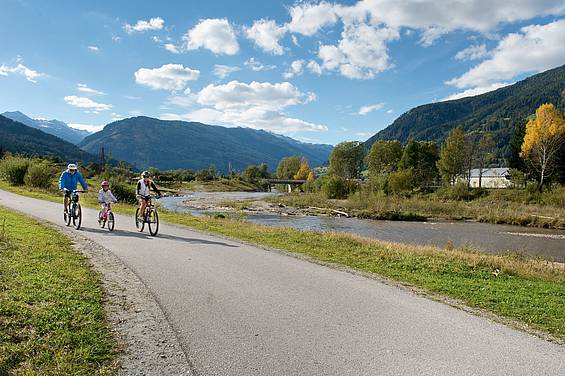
495,172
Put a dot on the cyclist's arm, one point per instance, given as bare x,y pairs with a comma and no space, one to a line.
138,189
100,197
113,197
61,180
82,182
154,187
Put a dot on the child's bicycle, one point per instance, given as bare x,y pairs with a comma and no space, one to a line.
74,211
150,217
106,218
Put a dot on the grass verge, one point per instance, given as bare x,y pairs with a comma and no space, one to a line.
529,291
51,305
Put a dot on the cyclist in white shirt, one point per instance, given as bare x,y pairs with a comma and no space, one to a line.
143,191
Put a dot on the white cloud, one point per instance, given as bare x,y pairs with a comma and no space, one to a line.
476,91
20,69
308,18
222,71
257,66
472,53
116,39
92,128
216,35
131,97
266,35
257,105
389,111
87,103
87,90
361,53
256,118
435,18
94,48
296,69
167,77
171,48
364,110
314,67
235,94
156,23
534,49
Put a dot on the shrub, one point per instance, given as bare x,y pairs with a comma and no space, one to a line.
402,181
14,169
124,192
39,175
460,192
335,187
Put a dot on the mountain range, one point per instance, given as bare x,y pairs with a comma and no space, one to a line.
19,138
54,127
497,112
148,142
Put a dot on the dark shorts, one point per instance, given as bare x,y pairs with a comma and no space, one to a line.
67,193
144,198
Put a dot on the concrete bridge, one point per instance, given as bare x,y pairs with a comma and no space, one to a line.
290,183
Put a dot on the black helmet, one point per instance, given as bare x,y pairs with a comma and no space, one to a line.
145,174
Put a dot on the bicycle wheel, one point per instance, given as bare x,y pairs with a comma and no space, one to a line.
67,216
77,216
111,221
153,222
101,220
139,224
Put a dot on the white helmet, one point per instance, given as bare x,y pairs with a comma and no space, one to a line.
72,166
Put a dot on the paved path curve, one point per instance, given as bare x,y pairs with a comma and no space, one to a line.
241,310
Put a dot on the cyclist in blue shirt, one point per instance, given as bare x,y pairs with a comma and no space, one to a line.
69,180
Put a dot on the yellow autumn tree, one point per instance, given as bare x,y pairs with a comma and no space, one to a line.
544,135
303,171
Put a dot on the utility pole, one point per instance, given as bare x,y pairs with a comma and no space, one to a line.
101,160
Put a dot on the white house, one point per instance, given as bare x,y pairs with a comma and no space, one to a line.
498,177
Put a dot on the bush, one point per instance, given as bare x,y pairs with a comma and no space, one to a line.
337,187
14,169
124,192
39,175
461,192
402,181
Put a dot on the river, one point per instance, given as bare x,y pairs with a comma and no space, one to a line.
545,243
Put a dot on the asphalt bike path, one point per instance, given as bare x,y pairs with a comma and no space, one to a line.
243,310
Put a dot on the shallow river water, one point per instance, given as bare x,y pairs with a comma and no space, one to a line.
546,243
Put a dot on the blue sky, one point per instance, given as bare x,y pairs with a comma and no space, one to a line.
317,71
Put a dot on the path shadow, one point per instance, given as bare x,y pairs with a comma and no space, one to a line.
144,235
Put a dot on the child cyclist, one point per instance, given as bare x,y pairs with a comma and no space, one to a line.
105,197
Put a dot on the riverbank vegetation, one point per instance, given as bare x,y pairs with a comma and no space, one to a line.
51,305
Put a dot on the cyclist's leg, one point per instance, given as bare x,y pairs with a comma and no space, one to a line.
142,204
67,196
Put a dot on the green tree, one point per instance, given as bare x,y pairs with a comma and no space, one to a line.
383,157
421,157
288,167
485,154
452,157
516,161
346,159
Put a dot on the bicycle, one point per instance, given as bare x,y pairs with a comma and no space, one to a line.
74,211
151,217
106,218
